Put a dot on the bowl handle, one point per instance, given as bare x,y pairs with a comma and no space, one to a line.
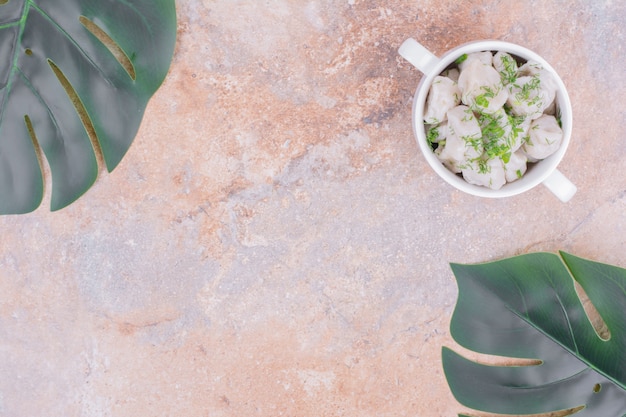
560,186
418,55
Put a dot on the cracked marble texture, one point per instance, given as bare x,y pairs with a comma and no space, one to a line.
273,244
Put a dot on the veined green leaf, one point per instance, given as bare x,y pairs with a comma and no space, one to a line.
75,79
527,307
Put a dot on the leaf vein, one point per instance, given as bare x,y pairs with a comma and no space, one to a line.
73,42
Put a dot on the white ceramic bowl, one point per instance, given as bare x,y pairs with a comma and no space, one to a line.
542,172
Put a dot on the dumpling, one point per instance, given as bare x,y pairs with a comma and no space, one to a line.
531,95
529,68
444,94
520,126
451,164
506,66
481,87
544,138
551,109
485,57
464,138
488,173
452,73
463,127
515,168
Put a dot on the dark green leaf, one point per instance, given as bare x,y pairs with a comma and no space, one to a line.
527,307
75,79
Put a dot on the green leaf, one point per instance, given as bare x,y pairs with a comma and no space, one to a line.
75,79
527,307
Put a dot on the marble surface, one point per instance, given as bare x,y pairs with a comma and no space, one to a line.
274,244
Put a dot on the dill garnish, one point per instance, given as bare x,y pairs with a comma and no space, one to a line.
461,59
509,72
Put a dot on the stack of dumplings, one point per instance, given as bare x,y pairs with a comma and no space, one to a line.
487,117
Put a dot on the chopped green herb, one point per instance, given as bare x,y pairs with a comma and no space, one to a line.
497,144
473,141
493,132
494,150
483,167
516,121
516,126
461,59
509,72
519,173
482,101
526,89
489,91
432,136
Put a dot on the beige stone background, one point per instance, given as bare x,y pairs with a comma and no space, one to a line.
274,244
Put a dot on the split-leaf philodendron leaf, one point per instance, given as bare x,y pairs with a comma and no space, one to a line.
527,307
75,79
